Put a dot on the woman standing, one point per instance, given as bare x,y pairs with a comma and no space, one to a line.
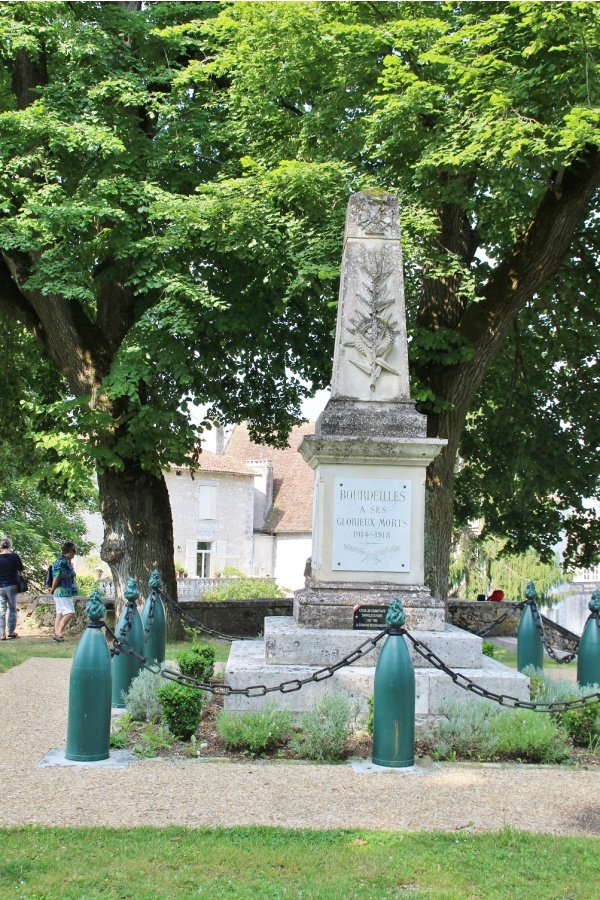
64,589
10,566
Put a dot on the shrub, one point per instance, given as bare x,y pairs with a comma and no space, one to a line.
141,700
464,729
245,589
483,731
181,709
254,731
488,649
325,728
198,662
583,724
526,735
85,585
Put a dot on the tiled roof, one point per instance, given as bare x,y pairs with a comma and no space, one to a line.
291,512
210,462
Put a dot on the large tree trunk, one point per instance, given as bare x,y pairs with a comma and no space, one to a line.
533,260
138,533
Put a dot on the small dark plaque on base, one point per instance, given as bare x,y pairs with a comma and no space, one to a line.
369,617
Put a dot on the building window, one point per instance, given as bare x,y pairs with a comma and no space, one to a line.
203,559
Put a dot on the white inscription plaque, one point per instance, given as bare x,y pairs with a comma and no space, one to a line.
371,525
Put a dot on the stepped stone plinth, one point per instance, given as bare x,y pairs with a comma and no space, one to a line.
369,453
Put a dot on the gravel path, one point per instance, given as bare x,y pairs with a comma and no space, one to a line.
453,796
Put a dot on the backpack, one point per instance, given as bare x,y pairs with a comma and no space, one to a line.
49,577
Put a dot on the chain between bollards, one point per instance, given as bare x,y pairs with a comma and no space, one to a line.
286,687
121,646
198,626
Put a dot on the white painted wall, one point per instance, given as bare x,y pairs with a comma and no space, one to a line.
291,553
264,556
216,508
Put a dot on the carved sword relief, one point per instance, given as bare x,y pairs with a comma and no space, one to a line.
373,334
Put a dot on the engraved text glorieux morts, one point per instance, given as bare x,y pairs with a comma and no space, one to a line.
371,525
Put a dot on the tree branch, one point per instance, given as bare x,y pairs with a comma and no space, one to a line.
534,259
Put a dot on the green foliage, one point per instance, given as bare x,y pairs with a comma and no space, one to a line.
325,728
245,589
152,738
181,709
86,584
529,736
482,731
370,717
120,732
141,700
480,565
583,725
488,649
257,731
198,661
166,183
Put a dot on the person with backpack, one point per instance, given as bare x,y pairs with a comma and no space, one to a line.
63,589
10,566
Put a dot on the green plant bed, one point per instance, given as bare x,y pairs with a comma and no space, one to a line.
245,589
272,863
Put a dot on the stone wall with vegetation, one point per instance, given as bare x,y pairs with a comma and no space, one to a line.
473,616
37,614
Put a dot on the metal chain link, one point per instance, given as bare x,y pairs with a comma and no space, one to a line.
198,626
121,645
537,619
503,699
150,620
257,690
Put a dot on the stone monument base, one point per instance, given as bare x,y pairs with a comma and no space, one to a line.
290,651
331,604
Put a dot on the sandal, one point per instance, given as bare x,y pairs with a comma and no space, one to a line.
2,638
11,637
58,639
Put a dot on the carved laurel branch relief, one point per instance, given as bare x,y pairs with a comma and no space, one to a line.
372,333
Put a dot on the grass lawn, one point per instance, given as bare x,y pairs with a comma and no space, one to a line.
508,658
273,864
12,653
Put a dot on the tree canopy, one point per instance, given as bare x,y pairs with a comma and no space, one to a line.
173,183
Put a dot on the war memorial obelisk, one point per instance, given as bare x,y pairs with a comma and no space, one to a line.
369,453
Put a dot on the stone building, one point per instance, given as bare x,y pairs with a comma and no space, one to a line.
247,506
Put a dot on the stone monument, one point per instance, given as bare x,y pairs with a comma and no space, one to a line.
369,453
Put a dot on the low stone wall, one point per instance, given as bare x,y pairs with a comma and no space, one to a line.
473,616
37,614
237,618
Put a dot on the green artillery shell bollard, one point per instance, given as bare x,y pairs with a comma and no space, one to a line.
588,656
394,698
129,628
530,649
154,621
88,728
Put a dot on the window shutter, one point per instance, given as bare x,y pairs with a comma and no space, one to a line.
191,559
207,501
